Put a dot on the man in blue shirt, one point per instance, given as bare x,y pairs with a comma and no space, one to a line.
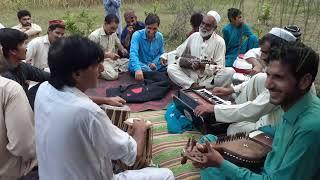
238,36
290,73
132,26
147,45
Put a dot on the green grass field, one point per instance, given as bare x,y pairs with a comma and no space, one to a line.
262,15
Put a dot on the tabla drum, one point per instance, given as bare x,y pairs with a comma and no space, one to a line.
117,114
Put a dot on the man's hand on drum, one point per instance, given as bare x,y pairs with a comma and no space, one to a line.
203,108
115,101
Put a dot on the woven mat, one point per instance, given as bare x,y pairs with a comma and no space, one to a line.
167,147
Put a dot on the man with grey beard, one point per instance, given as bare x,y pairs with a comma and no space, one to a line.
201,58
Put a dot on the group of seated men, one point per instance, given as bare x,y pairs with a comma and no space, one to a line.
74,138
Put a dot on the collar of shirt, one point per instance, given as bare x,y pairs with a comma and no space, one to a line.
299,107
103,33
144,35
46,39
75,91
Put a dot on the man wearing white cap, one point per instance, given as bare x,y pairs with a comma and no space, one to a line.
253,109
190,71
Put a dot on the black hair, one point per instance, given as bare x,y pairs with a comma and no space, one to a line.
152,19
233,13
70,54
10,39
23,13
55,26
295,30
196,20
300,58
111,18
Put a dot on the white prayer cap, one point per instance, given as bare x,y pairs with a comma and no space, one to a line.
283,34
215,15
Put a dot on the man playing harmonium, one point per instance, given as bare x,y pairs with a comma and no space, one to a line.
253,108
202,58
75,139
291,70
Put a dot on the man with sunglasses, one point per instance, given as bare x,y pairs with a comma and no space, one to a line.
201,58
132,26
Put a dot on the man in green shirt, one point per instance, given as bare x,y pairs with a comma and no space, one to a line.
295,150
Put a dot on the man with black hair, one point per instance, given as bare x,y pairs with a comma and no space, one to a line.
253,109
37,49
238,36
291,72
26,25
75,138
147,45
107,38
14,50
132,26
195,22
12,67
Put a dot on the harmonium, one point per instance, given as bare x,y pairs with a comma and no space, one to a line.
188,99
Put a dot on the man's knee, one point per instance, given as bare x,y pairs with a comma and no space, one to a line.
165,173
172,68
110,76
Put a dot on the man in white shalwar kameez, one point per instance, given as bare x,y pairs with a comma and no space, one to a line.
253,109
189,71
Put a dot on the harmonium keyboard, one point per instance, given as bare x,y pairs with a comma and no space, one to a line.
188,99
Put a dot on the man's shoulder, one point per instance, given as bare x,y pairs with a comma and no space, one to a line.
38,40
36,26
159,35
141,24
8,85
218,38
18,26
226,27
309,118
97,32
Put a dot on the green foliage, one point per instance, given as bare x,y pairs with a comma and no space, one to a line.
154,9
79,23
265,15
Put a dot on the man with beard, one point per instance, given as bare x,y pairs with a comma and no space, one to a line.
188,71
133,25
26,25
291,72
238,36
37,49
253,109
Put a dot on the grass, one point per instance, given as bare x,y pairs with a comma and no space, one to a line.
174,14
